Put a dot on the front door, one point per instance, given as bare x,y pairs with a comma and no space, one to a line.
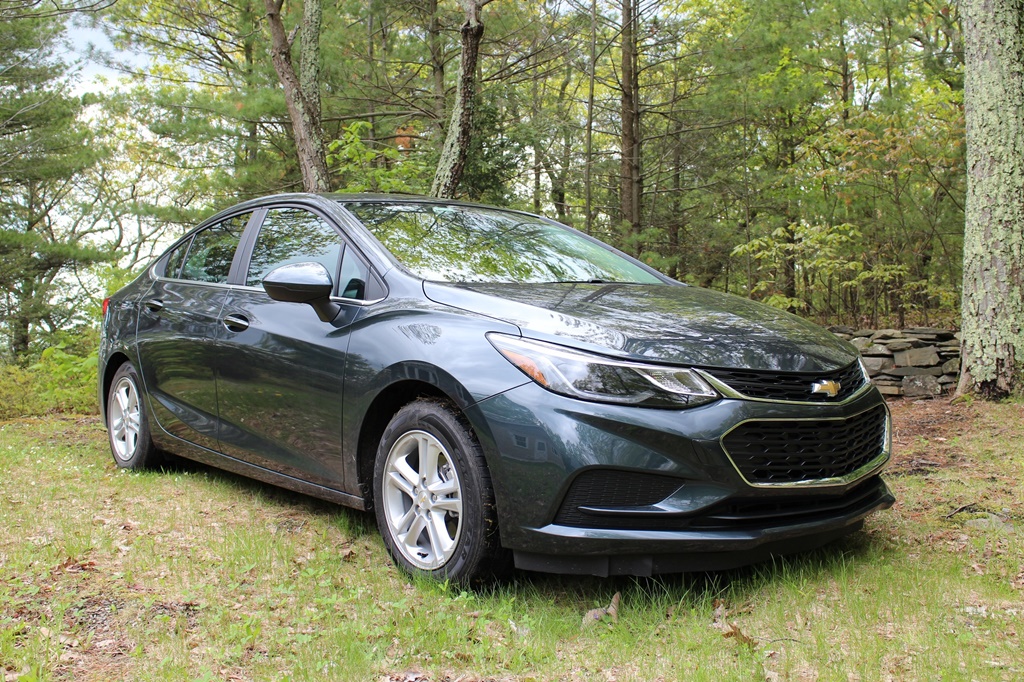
281,369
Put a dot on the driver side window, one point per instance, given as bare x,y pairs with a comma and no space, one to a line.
293,235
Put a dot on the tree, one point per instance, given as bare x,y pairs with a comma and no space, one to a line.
993,290
460,127
302,90
631,185
43,147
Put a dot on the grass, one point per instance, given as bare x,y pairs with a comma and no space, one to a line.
195,574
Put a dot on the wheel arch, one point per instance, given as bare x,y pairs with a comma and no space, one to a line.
377,417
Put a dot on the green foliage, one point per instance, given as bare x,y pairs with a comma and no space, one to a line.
824,257
359,167
45,146
59,382
768,130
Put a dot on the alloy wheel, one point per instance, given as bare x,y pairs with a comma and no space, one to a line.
422,500
125,419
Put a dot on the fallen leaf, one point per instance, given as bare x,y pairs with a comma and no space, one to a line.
735,632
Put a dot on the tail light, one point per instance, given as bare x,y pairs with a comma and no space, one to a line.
106,305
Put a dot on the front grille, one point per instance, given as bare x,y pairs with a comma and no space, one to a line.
792,386
773,452
611,488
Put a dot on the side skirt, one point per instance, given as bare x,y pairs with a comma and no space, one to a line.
182,448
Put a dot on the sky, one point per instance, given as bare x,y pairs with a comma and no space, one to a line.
80,38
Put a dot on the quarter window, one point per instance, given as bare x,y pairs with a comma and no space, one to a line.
291,235
213,249
355,277
173,264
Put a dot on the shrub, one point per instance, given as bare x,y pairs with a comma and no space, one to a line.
59,382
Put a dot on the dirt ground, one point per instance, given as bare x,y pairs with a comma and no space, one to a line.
925,432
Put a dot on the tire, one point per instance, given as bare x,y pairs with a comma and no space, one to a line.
433,496
127,426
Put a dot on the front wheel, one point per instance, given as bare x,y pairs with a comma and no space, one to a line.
433,496
127,426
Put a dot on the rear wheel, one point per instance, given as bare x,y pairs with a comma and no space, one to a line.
433,496
127,426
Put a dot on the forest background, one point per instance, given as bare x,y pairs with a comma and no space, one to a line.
807,154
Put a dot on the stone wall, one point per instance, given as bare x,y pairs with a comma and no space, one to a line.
915,362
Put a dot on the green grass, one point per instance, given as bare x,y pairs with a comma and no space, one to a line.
194,574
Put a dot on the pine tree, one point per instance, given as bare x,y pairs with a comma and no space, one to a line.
43,146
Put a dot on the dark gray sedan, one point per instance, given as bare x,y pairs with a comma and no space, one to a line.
495,386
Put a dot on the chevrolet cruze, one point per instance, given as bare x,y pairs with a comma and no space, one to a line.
498,388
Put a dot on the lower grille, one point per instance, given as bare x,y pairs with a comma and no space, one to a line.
744,513
611,488
780,452
761,513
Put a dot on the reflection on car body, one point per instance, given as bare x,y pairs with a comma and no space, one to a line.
499,389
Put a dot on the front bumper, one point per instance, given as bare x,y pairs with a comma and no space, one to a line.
605,489
644,553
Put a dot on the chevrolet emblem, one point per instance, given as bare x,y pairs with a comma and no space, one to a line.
828,387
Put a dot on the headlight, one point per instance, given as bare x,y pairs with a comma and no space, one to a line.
592,377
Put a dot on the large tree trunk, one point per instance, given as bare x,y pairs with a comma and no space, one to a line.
302,90
993,293
630,143
460,127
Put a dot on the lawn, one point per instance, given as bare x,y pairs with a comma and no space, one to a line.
194,574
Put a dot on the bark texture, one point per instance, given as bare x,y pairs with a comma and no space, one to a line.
630,142
993,286
460,127
302,90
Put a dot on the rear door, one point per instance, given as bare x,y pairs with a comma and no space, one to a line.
179,320
280,378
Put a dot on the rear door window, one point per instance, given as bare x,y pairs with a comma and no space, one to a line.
213,249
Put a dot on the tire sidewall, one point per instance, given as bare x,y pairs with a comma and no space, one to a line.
438,420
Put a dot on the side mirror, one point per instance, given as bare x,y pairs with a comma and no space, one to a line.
308,283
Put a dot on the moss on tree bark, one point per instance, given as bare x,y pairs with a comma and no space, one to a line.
993,285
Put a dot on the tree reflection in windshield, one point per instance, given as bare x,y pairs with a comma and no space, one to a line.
470,244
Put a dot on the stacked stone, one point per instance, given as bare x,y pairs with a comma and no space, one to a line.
915,362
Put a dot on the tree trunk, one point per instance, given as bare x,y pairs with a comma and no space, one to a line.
436,63
993,291
630,144
460,126
589,144
302,90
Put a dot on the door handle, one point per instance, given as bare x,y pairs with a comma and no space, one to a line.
155,305
236,323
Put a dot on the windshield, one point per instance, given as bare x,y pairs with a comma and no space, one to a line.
471,244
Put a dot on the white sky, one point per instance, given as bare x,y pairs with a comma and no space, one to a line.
80,39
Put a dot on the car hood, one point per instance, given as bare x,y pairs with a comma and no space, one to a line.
673,324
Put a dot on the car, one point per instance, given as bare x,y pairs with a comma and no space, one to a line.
499,389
